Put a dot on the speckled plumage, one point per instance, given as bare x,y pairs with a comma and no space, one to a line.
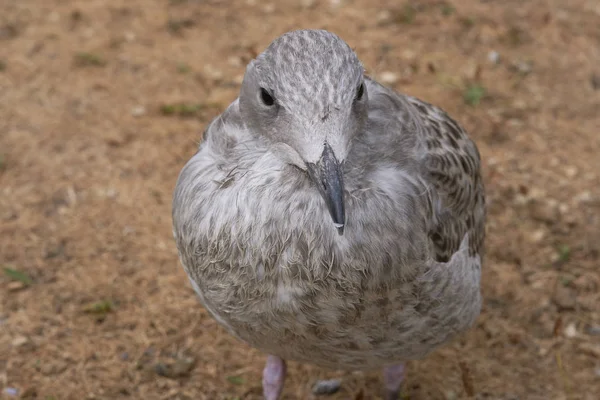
257,241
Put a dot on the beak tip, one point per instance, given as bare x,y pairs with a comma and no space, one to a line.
327,174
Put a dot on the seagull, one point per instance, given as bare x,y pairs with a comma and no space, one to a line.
330,220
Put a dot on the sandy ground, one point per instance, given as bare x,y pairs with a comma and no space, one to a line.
102,102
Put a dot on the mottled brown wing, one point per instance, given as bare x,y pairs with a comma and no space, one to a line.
451,166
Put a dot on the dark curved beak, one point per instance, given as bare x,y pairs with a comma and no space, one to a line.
327,175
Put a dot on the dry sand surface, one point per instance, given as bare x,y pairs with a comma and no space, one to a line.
102,102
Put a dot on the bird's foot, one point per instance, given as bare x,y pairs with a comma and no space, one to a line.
393,376
273,378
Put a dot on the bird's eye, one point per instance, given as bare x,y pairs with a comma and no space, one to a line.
360,92
266,98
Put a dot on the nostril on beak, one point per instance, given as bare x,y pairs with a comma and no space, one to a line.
324,184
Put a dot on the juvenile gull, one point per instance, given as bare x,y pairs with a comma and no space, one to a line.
330,220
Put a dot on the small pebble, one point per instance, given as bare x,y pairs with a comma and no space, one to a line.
563,208
269,8
520,104
408,55
522,67
235,61
327,387
471,71
111,193
212,72
584,197
571,331
138,111
180,368
494,57
515,123
544,211
128,230
388,77
537,236
536,193
19,341
571,171
384,17
15,286
129,36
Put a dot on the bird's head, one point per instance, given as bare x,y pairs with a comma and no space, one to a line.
306,95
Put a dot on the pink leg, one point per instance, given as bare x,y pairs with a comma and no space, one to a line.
393,376
273,377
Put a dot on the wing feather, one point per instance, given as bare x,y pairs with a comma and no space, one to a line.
449,165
